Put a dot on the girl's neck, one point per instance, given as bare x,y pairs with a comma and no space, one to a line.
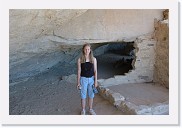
87,58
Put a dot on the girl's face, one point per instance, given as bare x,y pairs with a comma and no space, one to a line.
86,50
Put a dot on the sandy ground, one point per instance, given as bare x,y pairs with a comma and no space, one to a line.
47,94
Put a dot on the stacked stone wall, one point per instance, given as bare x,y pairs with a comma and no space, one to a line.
161,67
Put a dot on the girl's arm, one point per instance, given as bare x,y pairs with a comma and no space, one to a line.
78,72
95,72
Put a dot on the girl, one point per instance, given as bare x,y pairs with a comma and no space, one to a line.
87,77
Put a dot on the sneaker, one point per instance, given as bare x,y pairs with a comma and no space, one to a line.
83,112
92,112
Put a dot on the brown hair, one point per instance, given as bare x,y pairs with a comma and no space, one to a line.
91,57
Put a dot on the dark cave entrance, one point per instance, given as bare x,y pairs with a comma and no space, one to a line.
114,58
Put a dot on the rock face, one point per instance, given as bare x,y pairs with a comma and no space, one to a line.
31,51
161,72
143,64
39,39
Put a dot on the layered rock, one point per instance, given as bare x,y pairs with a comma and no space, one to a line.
39,39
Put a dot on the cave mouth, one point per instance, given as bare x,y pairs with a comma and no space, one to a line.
114,58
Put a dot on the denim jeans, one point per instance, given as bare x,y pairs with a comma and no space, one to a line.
87,87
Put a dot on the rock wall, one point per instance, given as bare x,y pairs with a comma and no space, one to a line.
99,25
161,70
39,39
143,64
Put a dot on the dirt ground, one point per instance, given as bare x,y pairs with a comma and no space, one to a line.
48,94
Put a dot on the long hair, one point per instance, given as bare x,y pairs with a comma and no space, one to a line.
91,57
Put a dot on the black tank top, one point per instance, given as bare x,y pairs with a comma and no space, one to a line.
87,69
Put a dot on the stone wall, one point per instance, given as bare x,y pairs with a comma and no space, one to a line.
161,70
143,65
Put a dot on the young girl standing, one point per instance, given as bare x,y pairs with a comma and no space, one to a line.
87,77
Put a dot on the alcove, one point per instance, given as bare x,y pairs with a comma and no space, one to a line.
114,58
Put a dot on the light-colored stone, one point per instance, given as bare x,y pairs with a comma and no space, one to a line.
143,64
161,70
129,108
160,108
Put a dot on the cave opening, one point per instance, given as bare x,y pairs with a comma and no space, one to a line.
114,58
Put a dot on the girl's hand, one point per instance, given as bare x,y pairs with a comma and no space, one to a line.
78,86
95,85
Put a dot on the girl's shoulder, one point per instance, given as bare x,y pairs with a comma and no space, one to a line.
94,59
79,59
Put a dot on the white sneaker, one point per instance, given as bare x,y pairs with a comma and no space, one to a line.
83,112
91,111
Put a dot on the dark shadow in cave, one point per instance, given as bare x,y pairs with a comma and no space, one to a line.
114,59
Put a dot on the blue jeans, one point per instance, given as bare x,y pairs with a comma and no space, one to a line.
87,87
